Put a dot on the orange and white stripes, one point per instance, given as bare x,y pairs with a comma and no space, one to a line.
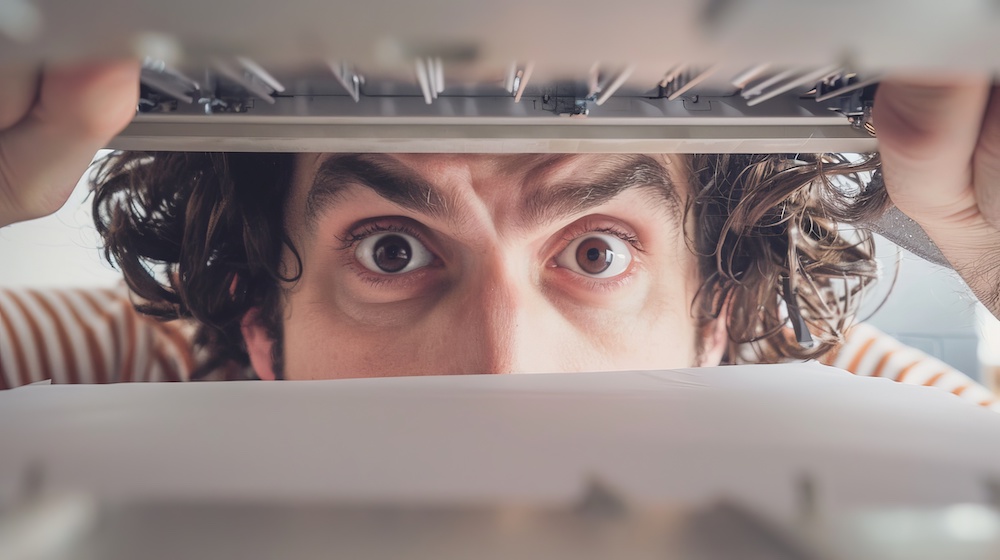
96,336
85,336
868,351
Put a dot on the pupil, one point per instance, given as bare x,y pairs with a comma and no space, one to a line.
392,253
594,255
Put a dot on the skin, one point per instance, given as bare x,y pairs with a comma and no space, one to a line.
51,125
497,295
939,140
940,145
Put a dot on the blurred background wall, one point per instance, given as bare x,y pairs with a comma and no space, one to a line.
58,250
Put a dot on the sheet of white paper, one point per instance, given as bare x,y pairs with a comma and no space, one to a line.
680,437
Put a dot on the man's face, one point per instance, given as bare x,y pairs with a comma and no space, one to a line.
448,264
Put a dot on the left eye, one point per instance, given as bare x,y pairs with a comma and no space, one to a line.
598,255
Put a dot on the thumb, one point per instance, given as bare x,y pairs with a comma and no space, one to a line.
77,111
927,133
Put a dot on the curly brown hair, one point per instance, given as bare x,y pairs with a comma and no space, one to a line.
201,236
773,232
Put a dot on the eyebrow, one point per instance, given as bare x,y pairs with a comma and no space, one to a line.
546,201
386,177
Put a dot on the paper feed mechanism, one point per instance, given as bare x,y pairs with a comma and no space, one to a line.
711,76
234,103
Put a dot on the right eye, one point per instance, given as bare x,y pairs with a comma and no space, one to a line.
392,253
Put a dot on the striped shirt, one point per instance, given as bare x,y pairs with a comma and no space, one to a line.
868,351
86,336
97,336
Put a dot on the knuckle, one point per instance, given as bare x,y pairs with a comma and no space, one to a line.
924,120
900,129
15,104
9,115
94,103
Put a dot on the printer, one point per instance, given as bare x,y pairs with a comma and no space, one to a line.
794,461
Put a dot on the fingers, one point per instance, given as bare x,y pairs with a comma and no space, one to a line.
941,161
927,133
96,100
986,165
18,89
77,111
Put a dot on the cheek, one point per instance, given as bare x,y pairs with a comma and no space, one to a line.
661,331
647,325
317,347
652,326
322,343
660,336
318,351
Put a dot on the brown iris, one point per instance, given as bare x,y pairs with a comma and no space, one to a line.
392,253
594,255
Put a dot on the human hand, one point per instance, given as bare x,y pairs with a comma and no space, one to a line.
940,146
52,124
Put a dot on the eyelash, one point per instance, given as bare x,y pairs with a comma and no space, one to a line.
371,228
622,234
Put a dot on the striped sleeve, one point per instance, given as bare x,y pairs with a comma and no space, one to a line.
86,336
869,351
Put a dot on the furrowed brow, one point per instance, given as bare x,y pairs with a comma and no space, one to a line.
386,177
550,203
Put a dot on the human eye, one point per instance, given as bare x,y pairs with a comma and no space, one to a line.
392,252
596,255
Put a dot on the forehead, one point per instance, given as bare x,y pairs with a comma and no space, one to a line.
516,190
533,168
